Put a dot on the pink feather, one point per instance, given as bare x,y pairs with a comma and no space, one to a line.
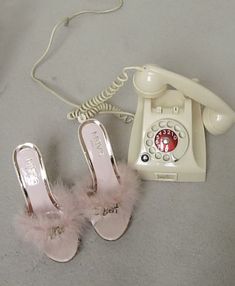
126,194
36,229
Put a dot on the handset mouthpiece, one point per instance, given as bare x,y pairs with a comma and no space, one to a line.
148,82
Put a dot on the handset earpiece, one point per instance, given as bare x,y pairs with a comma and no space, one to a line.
216,123
218,117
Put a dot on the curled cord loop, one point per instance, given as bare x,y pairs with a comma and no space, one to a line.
103,108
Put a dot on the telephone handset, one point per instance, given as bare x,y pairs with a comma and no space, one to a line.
167,139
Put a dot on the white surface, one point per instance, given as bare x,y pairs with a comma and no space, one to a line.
181,234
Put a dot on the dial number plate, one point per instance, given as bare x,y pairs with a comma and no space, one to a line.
166,140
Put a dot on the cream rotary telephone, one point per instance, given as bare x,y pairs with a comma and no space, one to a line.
167,141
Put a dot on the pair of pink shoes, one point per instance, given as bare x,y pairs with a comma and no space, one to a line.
56,217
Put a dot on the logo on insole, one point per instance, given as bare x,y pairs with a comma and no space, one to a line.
30,174
111,210
97,143
56,231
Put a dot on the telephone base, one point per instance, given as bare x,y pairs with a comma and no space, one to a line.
168,143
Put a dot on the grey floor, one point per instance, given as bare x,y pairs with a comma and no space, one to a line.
182,233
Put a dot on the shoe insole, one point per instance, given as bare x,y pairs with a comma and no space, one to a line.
33,179
98,151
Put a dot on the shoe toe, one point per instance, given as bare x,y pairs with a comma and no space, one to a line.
62,248
111,226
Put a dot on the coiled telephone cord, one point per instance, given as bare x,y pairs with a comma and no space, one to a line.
98,103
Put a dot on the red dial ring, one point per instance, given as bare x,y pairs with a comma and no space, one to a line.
166,140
